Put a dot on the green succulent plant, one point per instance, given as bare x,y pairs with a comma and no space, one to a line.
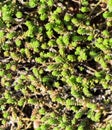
55,64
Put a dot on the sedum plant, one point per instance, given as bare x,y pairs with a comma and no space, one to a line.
55,65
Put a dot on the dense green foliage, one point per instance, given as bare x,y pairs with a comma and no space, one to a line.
56,64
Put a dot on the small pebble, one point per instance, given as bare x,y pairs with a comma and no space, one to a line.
36,123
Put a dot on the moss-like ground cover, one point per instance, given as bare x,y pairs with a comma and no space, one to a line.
56,65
